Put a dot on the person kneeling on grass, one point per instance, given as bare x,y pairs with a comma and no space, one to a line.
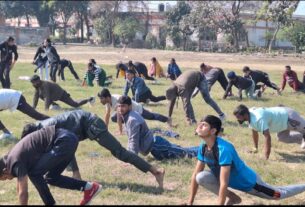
141,139
228,170
111,102
50,92
42,156
97,73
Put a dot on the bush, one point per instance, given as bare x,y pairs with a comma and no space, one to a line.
151,41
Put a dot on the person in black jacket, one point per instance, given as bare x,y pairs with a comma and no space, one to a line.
66,63
7,49
140,70
53,58
260,76
41,61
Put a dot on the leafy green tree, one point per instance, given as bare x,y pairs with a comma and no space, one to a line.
126,29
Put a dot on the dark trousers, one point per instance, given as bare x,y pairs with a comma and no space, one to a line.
98,131
143,72
149,95
146,115
66,98
52,164
5,74
71,68
268,83
25,108
53,70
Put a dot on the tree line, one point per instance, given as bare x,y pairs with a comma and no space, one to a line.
203,19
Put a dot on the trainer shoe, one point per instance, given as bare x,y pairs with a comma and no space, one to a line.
91,193
92,100
303,144
222,117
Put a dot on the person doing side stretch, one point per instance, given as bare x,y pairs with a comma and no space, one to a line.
228,170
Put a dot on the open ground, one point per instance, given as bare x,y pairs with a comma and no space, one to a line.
124,184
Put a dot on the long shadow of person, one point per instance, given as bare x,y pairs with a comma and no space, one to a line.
291,158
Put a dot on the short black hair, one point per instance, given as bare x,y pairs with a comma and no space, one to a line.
92,61
48,40
154,59
104,93
288,66
10,39
35,78
246,69
173,59
241,110
202,65
28,129
213,121
125,100
130,63
90,64
131,72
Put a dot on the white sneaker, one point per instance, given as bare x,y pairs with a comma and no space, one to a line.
303,144
222,117
92,101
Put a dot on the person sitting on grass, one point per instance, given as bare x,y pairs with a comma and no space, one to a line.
228,170
139,89
173,70
111,102
141,139
242,84
51,92
12,100
42,156
156,69
97,73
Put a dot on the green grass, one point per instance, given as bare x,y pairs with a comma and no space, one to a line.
124,184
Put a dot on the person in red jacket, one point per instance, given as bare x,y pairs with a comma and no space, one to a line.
291,78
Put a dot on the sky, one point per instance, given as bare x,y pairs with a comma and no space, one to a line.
301,8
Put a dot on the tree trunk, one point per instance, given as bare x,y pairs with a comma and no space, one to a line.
65,33
81,28
273,37
184,43
236,43
27,20
87,26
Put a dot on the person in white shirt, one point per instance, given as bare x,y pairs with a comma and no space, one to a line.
111,101
12,100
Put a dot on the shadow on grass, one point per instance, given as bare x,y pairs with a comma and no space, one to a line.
300,158
5,142
133,187
235,124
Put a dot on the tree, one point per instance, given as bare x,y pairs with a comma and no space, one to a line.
178,23
81,8
65,10
295,34
280,13
126,29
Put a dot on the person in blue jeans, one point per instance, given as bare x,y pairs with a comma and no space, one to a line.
173,70
141,139
140,92
228,170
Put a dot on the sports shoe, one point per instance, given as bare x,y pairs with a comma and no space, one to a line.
222,117
92,100
91,193
303,144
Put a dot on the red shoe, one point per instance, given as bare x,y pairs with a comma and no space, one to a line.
91,193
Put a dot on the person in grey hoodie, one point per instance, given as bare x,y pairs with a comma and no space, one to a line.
53,58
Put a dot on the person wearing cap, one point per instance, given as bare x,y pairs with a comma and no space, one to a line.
12,100
42,156
291,77
42,63
228,170
53,58
184,87
213,74
259,76
139,69
51,92
88,125
242,84
7,49
140,92
173,70
155,69
285,121
141,139
111,103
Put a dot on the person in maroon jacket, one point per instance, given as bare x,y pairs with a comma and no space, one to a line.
291,77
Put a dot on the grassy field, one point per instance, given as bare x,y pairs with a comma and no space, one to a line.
124,184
